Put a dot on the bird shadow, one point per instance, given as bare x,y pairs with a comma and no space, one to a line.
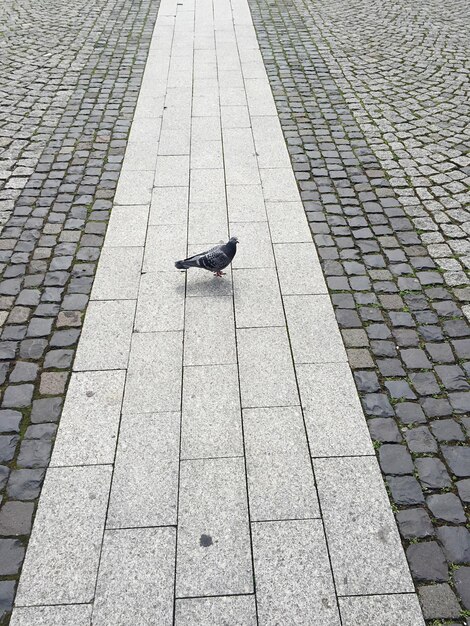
207,285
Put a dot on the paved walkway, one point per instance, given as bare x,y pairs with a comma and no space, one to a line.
181,487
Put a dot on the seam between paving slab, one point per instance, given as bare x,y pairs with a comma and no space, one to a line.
236,342
298,390
243,406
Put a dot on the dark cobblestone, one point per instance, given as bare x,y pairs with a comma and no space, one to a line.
70,79
11,556
405,490
463,488
16,518
395,459
462,584
415,523
383,170
456,543
427,562
432,473
7,594
25,484
438,601
447,508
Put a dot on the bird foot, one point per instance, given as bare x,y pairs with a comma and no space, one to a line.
219,274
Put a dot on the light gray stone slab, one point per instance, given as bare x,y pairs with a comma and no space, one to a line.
207,222
280,476
232,78
179,118
89,424
140,155
177,101
207,186
269,142
206,155
161,41
235,116
205,72
209,336
290,230
154,374
233,610
105,340
165,244
61,562
201,283
169,206
71,615
145,129
160,303
250,55
145,481
174,141
134,187
136,578
227,60
363,540
246,203
299,269
127,226
211,425
238,145
388,610
257,298
266,370
213,554
241,165
333,413
172,171
292,211
260,97
293,578
207,104
205,128
253,70
118,274
149,106
313,330
255,248
233,95
279,185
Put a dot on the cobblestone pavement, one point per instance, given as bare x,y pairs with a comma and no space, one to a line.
69,80
373,101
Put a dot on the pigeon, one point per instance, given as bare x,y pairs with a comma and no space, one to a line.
215,260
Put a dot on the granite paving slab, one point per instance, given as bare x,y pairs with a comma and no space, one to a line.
136,577
239,610
72,615
63,555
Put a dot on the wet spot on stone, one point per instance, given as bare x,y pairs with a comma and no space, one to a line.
90,394
383,534
205,541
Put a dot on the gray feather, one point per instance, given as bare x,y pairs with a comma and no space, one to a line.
214,260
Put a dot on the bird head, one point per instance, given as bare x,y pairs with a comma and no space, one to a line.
234,240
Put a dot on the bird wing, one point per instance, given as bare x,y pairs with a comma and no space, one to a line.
196,258
214,259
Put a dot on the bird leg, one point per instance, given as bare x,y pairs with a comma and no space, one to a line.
219,274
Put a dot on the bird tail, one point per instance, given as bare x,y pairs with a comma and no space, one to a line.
186,263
